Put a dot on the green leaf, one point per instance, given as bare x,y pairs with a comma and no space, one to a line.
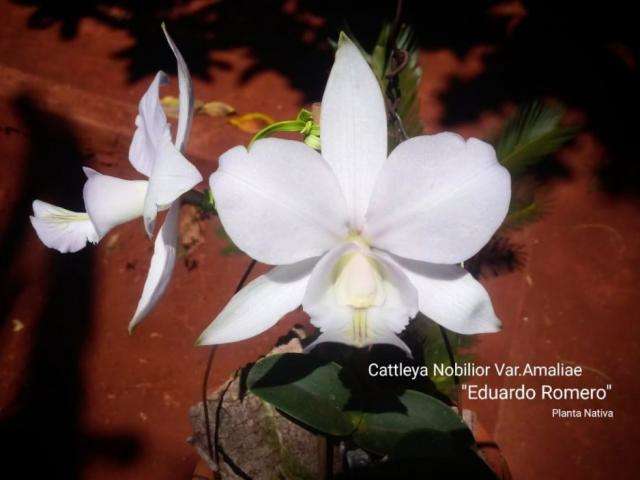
425,455
434,350
440,429
410,427
380,55
305,388
530,135
426,439
519,214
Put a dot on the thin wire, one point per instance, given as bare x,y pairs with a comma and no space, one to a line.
213,452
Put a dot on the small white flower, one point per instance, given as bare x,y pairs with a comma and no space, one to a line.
361,239
111,201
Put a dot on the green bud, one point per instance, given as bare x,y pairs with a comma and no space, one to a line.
313,141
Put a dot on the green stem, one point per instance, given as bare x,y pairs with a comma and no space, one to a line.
303,124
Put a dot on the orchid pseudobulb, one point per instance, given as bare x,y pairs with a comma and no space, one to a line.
361,239
111,201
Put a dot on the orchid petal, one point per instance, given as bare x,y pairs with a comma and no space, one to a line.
61,229
279,202
161,267
450,296
185,114
111,201
353,126
151,127
259,305
172,176
152,152
153,131
402,297
438,199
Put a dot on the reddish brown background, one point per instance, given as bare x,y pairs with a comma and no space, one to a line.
80,398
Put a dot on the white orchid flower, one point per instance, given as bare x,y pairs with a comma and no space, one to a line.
362,240
111,201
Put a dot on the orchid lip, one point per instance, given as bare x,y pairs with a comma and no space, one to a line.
359,285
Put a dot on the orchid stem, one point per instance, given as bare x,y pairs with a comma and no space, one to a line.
211,447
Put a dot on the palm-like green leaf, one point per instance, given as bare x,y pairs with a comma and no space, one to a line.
531,135
521,213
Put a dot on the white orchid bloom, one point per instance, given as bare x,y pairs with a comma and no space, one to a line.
362,240
111,201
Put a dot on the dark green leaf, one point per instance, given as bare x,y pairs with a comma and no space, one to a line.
304,388
380,55
312,391
434,351
440,429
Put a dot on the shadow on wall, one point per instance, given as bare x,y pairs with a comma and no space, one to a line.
585,55
41,431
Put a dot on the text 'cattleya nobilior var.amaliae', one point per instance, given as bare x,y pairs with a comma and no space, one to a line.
362,239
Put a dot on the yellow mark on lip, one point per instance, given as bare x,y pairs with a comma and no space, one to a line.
359,326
